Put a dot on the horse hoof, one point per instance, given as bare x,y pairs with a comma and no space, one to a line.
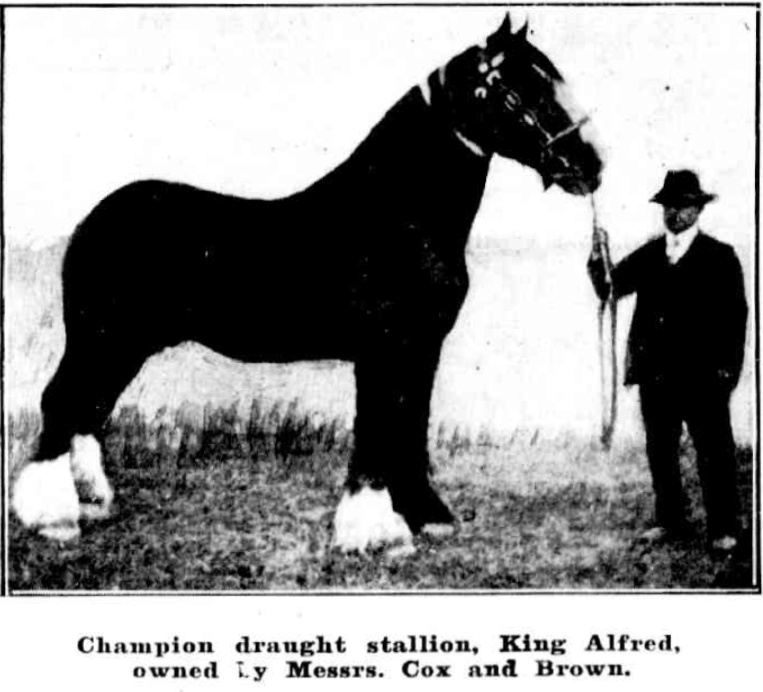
438,530
44,497
62,533
426,513
365,520
397,552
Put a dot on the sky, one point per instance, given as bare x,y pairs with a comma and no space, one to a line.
262,102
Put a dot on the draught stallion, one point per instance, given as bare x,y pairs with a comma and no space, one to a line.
366,265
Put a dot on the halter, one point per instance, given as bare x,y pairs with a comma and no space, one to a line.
514,104
574,127
513,101
426,93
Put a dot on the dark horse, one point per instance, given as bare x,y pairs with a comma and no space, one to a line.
366,265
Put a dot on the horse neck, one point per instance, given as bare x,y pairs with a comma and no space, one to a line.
412,145
411,167
421,122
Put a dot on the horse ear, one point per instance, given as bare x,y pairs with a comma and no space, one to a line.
504,31
502,36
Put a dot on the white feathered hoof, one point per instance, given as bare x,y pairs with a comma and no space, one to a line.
44,498
366,520
95,493
438,530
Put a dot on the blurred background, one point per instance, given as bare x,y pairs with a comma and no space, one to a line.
262,102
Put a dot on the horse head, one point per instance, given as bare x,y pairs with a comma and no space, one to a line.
507,98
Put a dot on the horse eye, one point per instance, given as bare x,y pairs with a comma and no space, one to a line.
480,92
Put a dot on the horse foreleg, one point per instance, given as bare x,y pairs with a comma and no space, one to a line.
365,516
388,496
408,474
52,495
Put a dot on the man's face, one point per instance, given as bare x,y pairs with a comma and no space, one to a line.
678,219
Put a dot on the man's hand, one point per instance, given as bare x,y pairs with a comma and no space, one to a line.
600,264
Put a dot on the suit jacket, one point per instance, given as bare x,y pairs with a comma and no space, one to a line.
690,318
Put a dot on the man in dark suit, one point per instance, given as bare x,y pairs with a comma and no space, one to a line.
685,351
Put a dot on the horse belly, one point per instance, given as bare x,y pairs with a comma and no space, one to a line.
277,322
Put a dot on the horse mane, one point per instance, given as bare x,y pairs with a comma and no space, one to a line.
413,145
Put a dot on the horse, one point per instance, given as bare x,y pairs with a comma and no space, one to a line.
370,267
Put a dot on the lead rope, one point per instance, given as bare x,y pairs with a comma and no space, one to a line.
608,305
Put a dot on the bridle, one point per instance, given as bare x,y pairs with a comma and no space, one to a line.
547,142
426,93
547,153
513,103
526,116
566,132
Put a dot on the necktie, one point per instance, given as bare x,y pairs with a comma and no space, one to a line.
672,248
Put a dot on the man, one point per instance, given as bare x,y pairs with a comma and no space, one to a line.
685,351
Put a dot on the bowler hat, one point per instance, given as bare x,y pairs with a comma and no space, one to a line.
682,188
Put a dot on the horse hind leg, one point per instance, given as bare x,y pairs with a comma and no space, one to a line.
92,382
44,496
66,480
52,495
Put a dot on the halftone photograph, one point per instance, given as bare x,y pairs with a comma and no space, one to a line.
380,299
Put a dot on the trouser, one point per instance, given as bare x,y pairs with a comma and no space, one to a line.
705,409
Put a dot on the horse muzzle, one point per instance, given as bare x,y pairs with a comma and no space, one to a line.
577,173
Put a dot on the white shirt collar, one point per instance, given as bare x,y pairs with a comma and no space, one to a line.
678,244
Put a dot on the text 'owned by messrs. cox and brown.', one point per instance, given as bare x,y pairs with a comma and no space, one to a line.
258,660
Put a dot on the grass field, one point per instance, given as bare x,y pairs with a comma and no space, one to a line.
227,503
232,496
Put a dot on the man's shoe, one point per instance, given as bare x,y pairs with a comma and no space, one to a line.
654,535
664,534
724,544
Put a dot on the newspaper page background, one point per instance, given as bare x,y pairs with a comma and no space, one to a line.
262,101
